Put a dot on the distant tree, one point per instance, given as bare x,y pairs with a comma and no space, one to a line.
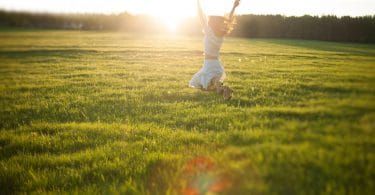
326,28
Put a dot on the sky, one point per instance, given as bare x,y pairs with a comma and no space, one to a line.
186,8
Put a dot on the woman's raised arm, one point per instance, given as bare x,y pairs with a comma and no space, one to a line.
235,5
202,16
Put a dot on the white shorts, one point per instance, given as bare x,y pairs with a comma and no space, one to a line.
210,70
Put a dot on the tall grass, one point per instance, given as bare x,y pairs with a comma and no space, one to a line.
87,112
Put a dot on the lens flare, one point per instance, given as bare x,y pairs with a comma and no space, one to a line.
203,178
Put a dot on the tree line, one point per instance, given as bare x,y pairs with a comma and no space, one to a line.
115,22
326,28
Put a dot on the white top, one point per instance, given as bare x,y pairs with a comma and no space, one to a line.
212,43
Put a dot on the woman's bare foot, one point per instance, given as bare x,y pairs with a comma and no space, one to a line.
227,93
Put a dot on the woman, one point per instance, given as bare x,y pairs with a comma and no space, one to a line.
211,76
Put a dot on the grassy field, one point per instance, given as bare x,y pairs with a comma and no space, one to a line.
89,112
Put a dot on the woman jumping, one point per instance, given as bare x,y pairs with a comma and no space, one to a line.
211,76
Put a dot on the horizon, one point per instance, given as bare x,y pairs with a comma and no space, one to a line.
187,8
172,12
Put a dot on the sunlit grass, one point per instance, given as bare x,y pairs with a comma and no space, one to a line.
110,112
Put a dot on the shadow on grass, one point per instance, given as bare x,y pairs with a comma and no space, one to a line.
350,48
47,53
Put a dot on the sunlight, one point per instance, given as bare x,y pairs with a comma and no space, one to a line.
172,13
188,7
171,23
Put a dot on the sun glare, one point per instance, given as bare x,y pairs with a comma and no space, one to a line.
171,24
188,7
171,12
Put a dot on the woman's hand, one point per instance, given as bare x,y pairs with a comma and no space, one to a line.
236,3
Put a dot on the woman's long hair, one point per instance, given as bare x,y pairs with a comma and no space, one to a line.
221,25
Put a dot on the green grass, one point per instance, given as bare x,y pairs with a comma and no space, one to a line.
89,112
